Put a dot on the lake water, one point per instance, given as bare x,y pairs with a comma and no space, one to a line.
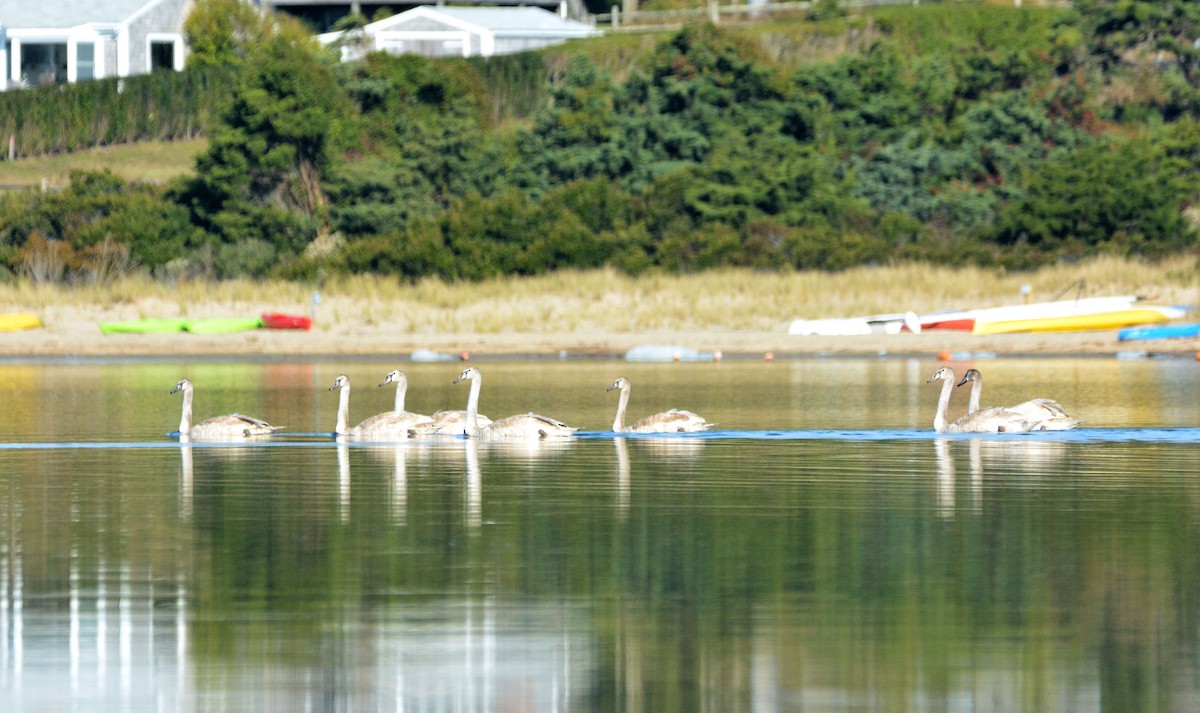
822,550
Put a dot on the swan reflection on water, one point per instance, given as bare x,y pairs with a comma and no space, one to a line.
991,457
670,448
622,477
186,477
396,456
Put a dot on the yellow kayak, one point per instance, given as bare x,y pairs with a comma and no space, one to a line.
1114,319
14,321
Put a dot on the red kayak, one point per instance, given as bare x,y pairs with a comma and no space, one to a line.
279,320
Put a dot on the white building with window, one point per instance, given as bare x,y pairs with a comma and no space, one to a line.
55,41
456,31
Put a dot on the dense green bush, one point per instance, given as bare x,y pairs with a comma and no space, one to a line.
960,134
97,208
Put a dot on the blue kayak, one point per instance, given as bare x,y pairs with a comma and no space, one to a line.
1171,331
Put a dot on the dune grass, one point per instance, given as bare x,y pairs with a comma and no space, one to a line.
607,300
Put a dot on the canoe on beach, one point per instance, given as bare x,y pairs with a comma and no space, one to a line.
149,325
975,320
279,320
222,325
195,325
1166,331
1113,319
16,321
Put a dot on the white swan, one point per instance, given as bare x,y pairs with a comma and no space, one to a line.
232,426
529,426
989,420
447,422
389,424
673,421
1045,414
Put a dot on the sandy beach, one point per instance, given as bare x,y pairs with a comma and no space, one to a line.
73,332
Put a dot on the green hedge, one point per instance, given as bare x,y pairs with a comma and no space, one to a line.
70,117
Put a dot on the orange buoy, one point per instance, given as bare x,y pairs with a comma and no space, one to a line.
944,355
769,356
465,356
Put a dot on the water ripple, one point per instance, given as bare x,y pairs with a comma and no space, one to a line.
321,440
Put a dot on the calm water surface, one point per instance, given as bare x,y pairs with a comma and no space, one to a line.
821,551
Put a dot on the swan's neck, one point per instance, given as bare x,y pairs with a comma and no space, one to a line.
401,389
619,421
343,417
976,394
473,406
185,420
939,419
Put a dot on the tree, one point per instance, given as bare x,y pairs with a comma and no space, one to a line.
261,176
1127,198
223,33
1143,29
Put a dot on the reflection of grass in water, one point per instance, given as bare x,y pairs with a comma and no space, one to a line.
572,301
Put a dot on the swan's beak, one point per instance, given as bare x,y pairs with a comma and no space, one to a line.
931,379
331,388
611,387
964,380
460,378
177,389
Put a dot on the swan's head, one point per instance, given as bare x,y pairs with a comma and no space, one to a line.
183,385
395,376
341,382
620,383
469,373
971,375
943,374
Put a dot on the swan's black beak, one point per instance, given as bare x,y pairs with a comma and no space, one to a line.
964,380
611,387
177,389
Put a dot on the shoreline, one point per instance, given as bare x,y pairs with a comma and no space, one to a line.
83,340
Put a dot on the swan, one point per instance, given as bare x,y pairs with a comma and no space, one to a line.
988,420
447,422
527,426
1046,414
231,426
400,379
673,421
389,424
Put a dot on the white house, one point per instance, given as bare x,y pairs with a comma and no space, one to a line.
463,32
56,41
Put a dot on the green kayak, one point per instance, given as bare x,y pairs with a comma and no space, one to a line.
151,325
222,325
197,325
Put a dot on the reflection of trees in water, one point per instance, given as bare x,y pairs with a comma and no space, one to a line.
830,579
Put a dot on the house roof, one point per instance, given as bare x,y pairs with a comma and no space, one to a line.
22,14
502,21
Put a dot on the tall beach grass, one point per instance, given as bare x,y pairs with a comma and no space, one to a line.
607,300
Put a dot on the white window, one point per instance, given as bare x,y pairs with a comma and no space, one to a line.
85,61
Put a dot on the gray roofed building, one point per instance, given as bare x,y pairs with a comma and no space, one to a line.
55,41
456,31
